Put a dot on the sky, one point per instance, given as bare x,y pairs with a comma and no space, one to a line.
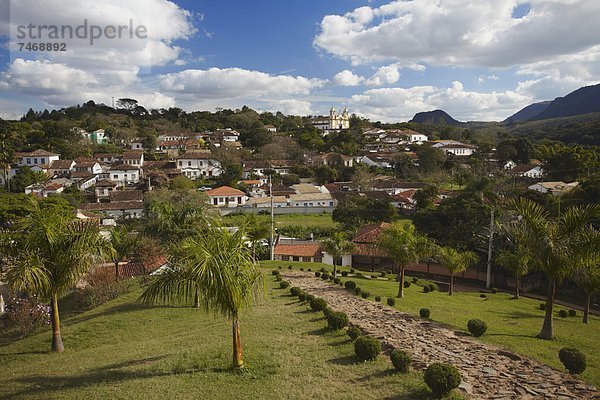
383,60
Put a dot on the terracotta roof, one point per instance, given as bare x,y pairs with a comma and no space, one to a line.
61,164
369,233
126,195
299,250
82,175
196,155
123,167
122,205
105,183
132,155
251,182
224,191
522,168
37,153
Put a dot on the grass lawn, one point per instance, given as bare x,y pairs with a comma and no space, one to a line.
511,323
124,350
318,220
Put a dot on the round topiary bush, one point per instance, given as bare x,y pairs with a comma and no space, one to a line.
344,273
383,274
327,311
275,272
433,287
367,348
290,266
325,276
358,275
331,278
401,360
354,332
323,269
284,284
318,274
295,291
441,379
278,278
337,320
302,269
302,296
424,312
365,295
426,289
572,313
573,360
350,285
406,284
483,296
494,290
318,304
378,298
309,270
351,270
477,327
357,291
563,314
391,301
309,297
415,279
336,280
542,306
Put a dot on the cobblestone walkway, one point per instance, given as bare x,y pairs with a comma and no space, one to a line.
488,372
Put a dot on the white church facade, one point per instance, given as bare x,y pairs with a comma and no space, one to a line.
333,122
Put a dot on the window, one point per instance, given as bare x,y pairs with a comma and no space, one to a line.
296,258
189,163
215,201
28,160
285,258
35,160
115,176
181,163
239,200
306,259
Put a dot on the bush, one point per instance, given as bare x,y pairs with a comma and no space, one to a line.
302,269
336,280
309,270
401,360
378,298
351,270
317,274
542,306
573,360
275,272
563,314
327,312
350,285
433,287
391,301
284,284
309,297
302,296
325,276
25,315
424,312
101,288
337,320
278,278
494,290
477,327
290,267
483,295
323,269
358,275
383,274
344,273
357,291
572,313
365,295
295,291
441,379
426,289
414,279
331,278
367,348
406,284
354,332
318,304
280,267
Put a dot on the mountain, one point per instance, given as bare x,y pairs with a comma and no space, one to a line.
582,101
528,112
436,117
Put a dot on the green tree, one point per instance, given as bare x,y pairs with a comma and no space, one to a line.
124,244
587,275
46,255
431,159
456,261
404,246
222,268
426,197
337,245
559,244
256,229
182,183
325,174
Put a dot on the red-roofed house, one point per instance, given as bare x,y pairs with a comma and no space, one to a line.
299,251
367,254
226,196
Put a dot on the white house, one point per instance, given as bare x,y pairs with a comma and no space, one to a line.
555,188
226,196
454,147
196,164
345,260
38,157
103,189
133,157
312,200
417,138
137,145
122,209
124,174
270,128
87,165
265,202
378,161
528,171
61,167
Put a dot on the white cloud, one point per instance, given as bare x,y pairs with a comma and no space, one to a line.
347,78
461,32
385,76
292,107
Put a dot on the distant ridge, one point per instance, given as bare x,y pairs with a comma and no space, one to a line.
435,117
528,112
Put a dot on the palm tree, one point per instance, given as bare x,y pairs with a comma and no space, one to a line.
337,245
587,275
222,268
559,245
256,229
404,246
517,262
47,254
123,243
456,261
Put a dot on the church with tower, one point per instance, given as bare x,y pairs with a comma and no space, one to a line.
333,122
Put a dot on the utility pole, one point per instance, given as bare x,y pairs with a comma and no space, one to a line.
272,220
488,278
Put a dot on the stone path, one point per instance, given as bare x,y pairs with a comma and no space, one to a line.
488,372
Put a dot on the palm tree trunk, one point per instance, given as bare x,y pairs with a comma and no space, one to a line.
57,343
586,307
517,287
238,361
400,281
547,331
451,290
196,299
334,268
116,270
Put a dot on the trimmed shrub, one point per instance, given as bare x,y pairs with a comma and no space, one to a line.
350,285
309,270
401,360
378,298
494,290
325,276
477,327
302,296
337,320
344,273
280,267
336,280
573,360
358,275
351,270
383,274
302,269
284,284
415,279
441,379
367,348
483,296
318,304
331,278
323,269
357,291
354,332
275,272
542,306
406,284
290,267
365,295
278,278
391,301
563,314
295,291
424,312
309,297
317,274
433,287
426,289
327,312
572,313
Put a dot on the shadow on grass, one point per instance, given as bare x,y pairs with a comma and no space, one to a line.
318,332
347,360
521,315
379,374
512,335
420,393
117,309
340,343
317,319
308,311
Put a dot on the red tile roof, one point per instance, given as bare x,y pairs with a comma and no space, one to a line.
369,233
224,191
299,250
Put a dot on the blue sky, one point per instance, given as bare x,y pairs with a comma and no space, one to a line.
385,60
